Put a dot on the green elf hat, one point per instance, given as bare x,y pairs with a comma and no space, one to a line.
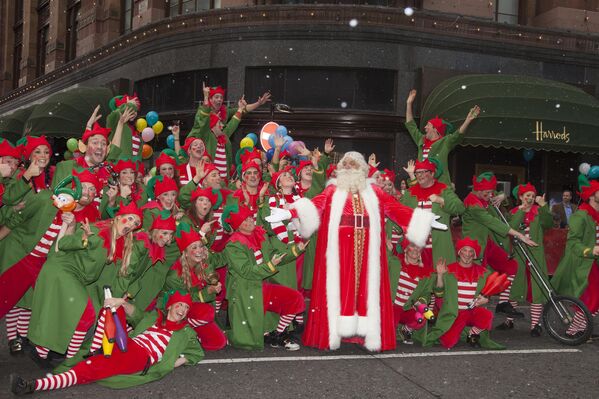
174,296
65,187
160,184
438,167
233,215
587,188
238,156
125,100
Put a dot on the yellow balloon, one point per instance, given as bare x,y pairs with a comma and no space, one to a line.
141,124
158,127
246,142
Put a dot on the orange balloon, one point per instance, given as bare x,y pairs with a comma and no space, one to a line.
147,151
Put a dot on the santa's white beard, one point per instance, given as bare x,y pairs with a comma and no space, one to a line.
351,180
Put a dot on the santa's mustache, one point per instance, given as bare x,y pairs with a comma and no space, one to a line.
351,179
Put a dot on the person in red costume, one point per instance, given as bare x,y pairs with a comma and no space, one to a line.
350,295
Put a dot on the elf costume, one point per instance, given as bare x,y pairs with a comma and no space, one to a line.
158,185
28,145
131,142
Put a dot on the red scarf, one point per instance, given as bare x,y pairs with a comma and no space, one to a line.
422,194
120,242
169,325
428,143
195,280
473,201
253,241
89,212
528,216
156,252
469,274
591,211
416,271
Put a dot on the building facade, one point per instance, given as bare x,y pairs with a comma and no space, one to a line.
345,67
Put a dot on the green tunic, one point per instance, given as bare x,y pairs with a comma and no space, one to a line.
15,191
244,289
439,150
542,221
571,275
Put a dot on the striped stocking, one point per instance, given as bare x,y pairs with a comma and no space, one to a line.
97,341
58,381
196,322
11,323
42,351
475,330
218,305
75,344
505,295
536,309
23,323
299,318
284,322
578,324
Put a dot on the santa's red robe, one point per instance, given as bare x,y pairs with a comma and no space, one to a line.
336,267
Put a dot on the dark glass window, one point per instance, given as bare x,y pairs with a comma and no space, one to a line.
73,8
332,88
18,43
43,21
127,15
177,91
183,7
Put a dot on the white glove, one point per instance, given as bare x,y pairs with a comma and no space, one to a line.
278,215
438,226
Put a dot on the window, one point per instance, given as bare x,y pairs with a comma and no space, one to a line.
73,8
18,43
177,91
43,23
183,7
332,88
127,15
506,11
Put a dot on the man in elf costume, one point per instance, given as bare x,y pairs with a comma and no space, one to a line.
532,217
481,223
160,342
252,257
437,141
433,196
457,289
578,272
253,189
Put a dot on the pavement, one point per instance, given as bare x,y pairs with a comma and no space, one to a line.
529,368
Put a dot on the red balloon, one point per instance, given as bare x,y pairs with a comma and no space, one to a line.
147,151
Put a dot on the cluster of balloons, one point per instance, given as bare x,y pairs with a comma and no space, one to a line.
291,146
592,172
72,149
148,127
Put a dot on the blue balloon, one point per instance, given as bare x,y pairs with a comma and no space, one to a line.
269,154
170,141
254,137
281,130
303,158
152,118
288,141
528,154
271,141
594,172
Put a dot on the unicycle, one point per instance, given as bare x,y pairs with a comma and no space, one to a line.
566,319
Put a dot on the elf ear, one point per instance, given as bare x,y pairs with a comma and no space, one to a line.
81,146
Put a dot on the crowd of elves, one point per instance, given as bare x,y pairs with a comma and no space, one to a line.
223,232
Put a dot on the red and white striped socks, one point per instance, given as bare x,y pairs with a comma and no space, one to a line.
475,330
196,322
284,322
505,295
23,323
536,309
42,351
299,318
75,344
97,341
58,381
17,321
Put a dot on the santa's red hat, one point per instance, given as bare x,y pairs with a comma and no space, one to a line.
189,141
425,165
30,143
468,242
439,125
164,221
9,150
123,164
234,215
130,209
302,165
85,176
185,236
165,159
524,188
175,296
96,130
484,181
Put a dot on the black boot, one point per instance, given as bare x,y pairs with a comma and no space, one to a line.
507,309
284,340
474,340
506,325
20,386
298,329
536,331
15,346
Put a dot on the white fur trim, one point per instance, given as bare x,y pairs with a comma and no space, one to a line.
309,218
420,227
347,325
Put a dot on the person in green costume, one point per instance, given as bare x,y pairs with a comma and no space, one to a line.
577,274
437,141
37,150
62,308
532,217
163,192
430,194
457,289
125,191
161,342
131,143
252,257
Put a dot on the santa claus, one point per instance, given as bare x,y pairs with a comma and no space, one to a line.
350,296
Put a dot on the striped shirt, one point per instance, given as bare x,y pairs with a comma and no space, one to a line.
466,293
258,256
425,151
135,143
154,340
43,246
220,160
279,228
219,230
405,287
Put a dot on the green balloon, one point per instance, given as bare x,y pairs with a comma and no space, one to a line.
153,171
72,144
68,155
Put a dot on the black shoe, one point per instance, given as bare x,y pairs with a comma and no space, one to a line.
42,363
506,325
536,331
474,340
298,329
20,386
284,340
15,346
507,309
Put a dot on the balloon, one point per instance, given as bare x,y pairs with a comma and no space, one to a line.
253,136
170,141
288,141
269,154
158,127
281,131
246,142
584,168
594,172
72,144
271,141
68,154
153,171
147,134
147,151
141,124
152,118
528,154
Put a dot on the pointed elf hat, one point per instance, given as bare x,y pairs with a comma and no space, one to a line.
167,156
234,215
484,181
175,296
160,184
468,242
185,236
587,187
216,90
164,221
274,181
29,143
95,130
124,163
214,196
130,209
432,164
9,150
125,99
85,176
521,189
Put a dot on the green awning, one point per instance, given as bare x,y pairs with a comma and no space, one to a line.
518,112
65,114
13,125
